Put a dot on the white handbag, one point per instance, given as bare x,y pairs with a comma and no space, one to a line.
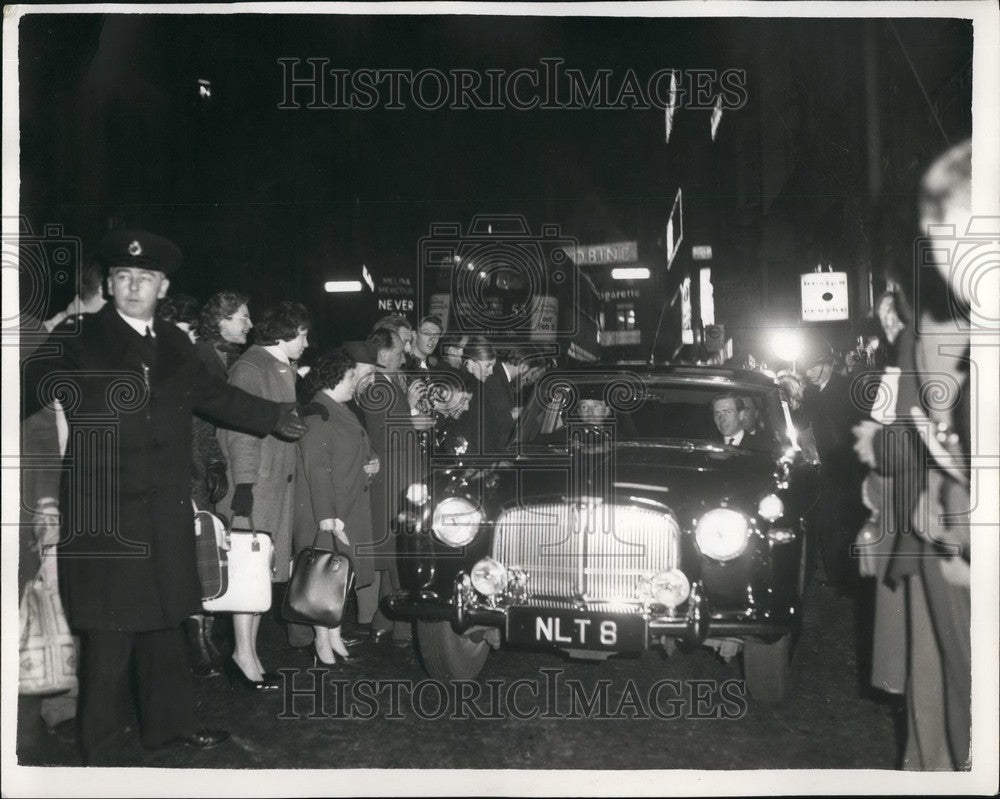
250,555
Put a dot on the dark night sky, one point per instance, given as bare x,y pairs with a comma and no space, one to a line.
276,201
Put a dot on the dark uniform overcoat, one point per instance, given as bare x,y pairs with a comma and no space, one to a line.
127,556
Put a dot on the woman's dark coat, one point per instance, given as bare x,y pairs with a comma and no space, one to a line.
330,483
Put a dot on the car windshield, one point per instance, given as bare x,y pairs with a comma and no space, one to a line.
648,411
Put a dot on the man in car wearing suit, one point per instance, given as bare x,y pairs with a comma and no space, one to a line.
127,549
728,412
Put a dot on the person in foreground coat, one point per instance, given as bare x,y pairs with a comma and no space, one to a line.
129,384
335,466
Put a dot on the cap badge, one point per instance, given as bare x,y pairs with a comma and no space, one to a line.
135,249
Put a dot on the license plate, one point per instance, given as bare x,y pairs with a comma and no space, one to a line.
598,631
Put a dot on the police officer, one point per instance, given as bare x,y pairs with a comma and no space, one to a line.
129,384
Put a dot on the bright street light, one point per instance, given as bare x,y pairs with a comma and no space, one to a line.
787,344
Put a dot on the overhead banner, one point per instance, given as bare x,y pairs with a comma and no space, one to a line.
825,297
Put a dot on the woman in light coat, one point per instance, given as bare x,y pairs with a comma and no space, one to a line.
262,470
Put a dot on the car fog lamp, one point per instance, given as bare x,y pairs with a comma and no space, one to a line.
771,507
456,521
489,577
671,588
722,534
417,493
779,536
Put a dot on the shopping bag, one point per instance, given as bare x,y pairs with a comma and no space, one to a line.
48,657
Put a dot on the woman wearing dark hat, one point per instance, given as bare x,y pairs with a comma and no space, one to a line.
335,465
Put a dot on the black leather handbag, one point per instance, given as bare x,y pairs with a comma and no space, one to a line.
320,582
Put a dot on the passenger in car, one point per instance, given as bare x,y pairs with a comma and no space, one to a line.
728,413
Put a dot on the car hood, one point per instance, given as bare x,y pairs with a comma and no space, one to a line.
688,481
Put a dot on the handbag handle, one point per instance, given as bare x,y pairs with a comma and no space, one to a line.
253,527
253,532
333,535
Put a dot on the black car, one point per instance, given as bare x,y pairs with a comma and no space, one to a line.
621,521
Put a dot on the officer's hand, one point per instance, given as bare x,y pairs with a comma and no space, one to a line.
46,524
314,409
289,426
372,466
242,503
216,481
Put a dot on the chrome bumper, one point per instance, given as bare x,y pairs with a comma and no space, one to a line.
693,626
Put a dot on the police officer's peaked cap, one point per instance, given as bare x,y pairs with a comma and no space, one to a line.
140,249
362,351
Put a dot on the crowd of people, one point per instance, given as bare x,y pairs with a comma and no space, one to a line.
891,426
269,442
300,452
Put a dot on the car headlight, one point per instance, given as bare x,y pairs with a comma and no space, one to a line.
456,521
771,507
722,534
489,577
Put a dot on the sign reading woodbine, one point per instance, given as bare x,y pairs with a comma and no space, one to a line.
613,252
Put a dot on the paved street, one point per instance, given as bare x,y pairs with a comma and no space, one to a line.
825,724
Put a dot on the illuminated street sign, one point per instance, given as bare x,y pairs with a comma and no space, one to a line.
716,115
671,108
342,286
613,252
675,229
706,293
687,333
824,297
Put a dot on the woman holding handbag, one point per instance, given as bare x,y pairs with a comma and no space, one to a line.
335,465
262,470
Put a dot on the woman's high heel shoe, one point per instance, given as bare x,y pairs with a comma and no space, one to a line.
237,676
346,660
338,660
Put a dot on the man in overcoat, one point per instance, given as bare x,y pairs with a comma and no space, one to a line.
129,384
392,422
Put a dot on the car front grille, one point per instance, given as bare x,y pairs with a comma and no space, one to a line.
585,553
